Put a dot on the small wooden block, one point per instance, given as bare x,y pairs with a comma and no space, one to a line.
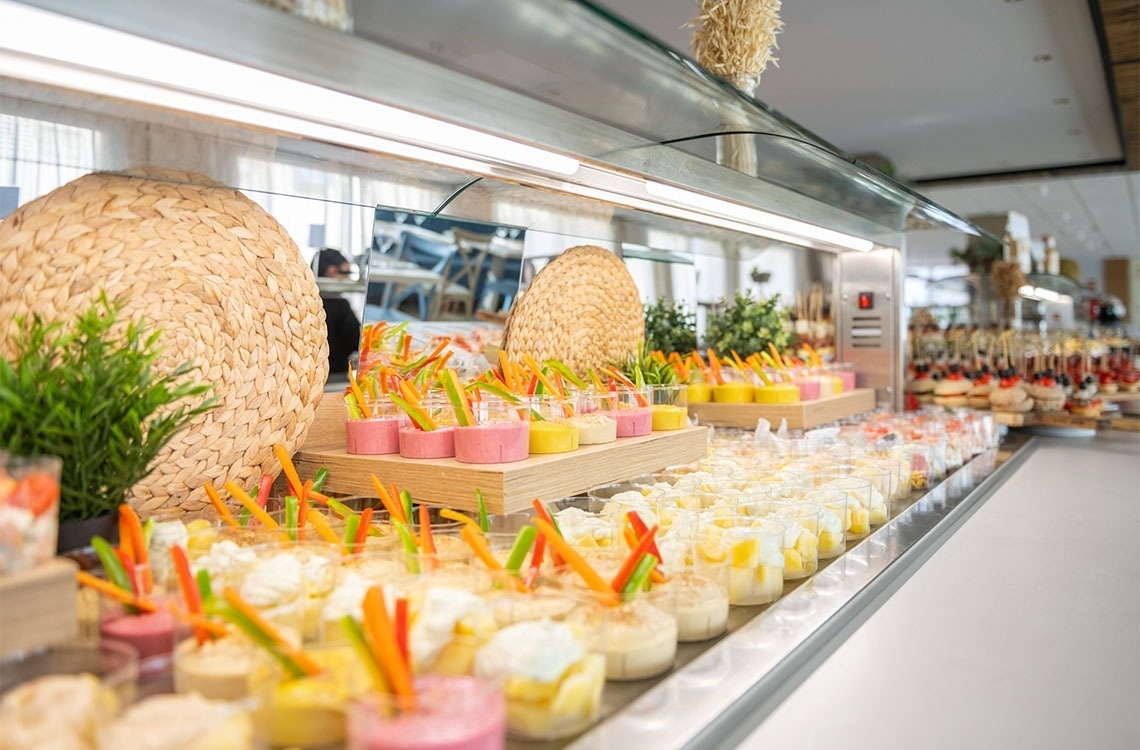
1065,419
800,416
1012,419
1126,424
506,487
37,607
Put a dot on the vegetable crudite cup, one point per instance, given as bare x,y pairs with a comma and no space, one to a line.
552,427
29,511
427,426
669,407
374,432
491,429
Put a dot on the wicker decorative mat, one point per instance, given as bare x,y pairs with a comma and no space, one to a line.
222,280
583,308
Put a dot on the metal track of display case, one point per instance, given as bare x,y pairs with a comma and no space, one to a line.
727,689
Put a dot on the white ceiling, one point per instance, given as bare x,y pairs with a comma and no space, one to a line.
951,90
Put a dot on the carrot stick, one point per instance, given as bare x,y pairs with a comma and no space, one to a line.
631,541
776,355
111,591
402,627
126,540
536,556
255,510
463,518
395,512
635,555
130,521
198,622
291,477
382,639
303,508
589,576
189,586
263,488
130,569
357,394
478,544
427,541
303,660
362,530
714,367
321,525
544,513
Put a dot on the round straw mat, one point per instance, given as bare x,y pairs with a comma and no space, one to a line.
222,280
583,308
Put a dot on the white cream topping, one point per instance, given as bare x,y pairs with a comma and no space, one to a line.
434,627
539,650
225,556
275,581
347,598
577,524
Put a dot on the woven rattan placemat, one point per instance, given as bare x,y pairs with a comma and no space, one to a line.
220,277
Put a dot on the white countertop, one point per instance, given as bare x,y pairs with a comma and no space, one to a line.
1022,631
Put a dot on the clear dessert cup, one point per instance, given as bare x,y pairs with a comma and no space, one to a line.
700,603
845,371
376,434
29,511
500,433
809,388
882,490
801,536
151,634
637,638
217,669
552,425
290,582
595,417
448,624
309,711
778,393
669,406
545,602
417,443
550,679
859,498
113,664
186,722
449,713
633,414
734,390
753,549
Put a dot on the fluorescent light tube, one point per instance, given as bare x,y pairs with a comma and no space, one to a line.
124,61
756,217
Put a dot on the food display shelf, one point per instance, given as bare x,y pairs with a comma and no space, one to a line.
506,487
720,690
801,416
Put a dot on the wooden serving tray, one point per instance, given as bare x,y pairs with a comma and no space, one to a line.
800,416
506,487
37,607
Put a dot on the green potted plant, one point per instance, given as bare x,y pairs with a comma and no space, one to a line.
747,325
90,394
642,366
670,327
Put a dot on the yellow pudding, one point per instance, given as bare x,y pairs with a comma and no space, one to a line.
308,712
553,436
778,393
733,393
667,417
699,393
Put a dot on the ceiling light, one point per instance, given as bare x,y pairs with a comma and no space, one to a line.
1061,101
1042,58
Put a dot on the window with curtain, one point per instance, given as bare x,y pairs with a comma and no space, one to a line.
37,156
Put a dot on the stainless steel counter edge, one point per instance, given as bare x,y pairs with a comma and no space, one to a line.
722,695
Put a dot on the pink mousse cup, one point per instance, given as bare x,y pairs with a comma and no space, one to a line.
633,415
451,713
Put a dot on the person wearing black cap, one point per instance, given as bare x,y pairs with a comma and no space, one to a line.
343,325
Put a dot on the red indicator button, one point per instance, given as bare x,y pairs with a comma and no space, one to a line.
866,300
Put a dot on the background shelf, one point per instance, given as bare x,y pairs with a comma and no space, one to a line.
800,416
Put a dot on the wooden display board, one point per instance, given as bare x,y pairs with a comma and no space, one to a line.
506,487
37,607
800,416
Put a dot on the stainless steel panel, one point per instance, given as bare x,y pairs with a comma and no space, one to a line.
871,338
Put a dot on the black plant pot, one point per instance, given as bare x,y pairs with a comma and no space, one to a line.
75,536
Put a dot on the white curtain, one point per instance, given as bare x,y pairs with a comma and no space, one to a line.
37,156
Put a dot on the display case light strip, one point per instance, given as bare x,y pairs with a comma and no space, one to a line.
172,71
756,217
1042,295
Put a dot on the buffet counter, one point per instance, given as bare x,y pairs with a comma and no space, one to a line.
721,692
1027,622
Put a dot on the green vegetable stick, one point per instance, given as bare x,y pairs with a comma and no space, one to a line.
639,577
319,479
244,516
522,545
292,505
340,508
148,531
354,411
116,573
351,524
406,499
355,637
205,590
409,547
484,522
261,638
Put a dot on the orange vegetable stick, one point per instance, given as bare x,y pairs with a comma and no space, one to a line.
655,575
395,510
630,562
198,622
112,591
303,660
590,576
219,506
303,508
478,544
402,627
776,355
324,531
362,530
189,586
714,367
126,541
255,510
382,639
291,477
129,520
357,394
463,518
427,541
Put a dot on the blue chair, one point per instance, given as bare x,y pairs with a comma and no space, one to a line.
425,253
